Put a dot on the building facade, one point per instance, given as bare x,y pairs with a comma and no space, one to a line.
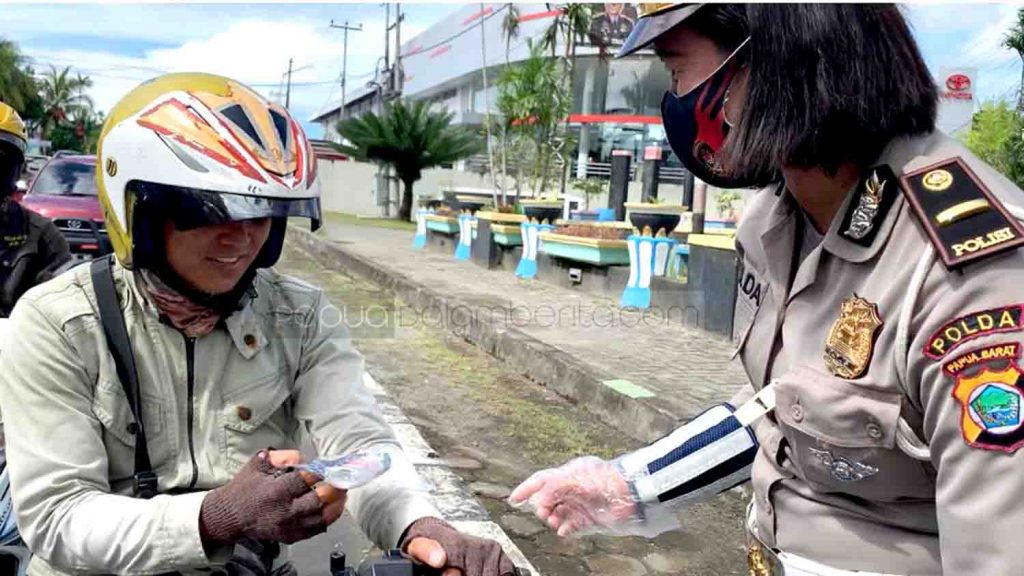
615,102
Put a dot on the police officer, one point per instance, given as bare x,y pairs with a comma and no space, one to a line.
883,329
31,247
142,396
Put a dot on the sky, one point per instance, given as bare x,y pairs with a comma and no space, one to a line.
120,45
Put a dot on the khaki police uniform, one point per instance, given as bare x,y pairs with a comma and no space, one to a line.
894,349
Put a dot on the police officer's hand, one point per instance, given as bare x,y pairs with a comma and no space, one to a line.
438,544
584,493
265,502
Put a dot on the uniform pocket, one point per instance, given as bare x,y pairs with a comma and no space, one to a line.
843,437
110,406
256,416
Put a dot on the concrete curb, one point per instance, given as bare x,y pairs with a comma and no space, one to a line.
570,377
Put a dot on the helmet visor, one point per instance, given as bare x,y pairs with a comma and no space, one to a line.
190,208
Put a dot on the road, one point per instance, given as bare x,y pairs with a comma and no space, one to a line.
494,427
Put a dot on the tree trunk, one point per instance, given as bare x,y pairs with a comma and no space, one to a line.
405,209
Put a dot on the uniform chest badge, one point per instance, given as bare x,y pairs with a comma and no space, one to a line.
990,405
851,341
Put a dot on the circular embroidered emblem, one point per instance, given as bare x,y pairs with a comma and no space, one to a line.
937,180
111,167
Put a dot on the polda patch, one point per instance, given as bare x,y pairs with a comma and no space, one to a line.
990,405
974,325
1007,351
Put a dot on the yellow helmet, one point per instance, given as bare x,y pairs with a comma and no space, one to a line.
200,149
12,129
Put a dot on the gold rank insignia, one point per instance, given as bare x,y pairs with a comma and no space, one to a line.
851,341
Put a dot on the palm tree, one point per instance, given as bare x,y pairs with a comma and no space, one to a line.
410,138
17,87
1015,41
510,31
63,96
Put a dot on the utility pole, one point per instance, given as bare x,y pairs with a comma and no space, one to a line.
288,89
398,74
344,57
288,84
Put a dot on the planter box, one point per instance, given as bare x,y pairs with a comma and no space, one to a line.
501,217
442,224
504,227
590,250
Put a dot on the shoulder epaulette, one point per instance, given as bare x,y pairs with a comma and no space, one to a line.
963,219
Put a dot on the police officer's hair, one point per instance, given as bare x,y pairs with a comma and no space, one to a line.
829,84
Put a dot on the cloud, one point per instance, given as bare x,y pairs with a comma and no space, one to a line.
985,47
119,46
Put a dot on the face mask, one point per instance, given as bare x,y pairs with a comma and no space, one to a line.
696,127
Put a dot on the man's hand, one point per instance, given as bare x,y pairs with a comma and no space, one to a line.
267,502
585,492
439,545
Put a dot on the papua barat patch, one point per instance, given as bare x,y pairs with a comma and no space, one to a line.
990,405
1007,351
956,332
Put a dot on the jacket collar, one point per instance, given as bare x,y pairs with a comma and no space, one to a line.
243,326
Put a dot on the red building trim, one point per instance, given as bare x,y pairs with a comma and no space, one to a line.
476,15
438,51
539,15
608,118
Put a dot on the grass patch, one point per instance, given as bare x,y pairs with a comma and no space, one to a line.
547,433
352,219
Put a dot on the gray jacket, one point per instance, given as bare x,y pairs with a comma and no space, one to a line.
279,368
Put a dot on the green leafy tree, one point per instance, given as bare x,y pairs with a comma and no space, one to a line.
17,86
63,97
1014,40
533,102
409,137
991,127
997,137
569,28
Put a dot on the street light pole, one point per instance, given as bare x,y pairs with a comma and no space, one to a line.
344,57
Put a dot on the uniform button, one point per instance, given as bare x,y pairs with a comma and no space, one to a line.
132,428
244,413
797,411
249,340
874,431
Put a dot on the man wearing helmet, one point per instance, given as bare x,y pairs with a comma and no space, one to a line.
143,445
879,322
31,247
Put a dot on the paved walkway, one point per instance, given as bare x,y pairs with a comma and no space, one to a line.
684,368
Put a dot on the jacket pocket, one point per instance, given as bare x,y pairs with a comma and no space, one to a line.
110,406
843,437
256,416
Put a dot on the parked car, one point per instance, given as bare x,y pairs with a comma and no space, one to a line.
65,191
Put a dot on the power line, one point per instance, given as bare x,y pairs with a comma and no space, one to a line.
456,35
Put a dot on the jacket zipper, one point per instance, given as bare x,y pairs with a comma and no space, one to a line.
190,360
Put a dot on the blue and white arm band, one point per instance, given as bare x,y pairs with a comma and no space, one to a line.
710,454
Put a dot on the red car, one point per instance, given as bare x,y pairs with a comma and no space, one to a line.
65,191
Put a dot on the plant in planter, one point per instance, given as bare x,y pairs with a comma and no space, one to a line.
654,219
726,204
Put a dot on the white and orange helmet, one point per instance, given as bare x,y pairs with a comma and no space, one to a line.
201,149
